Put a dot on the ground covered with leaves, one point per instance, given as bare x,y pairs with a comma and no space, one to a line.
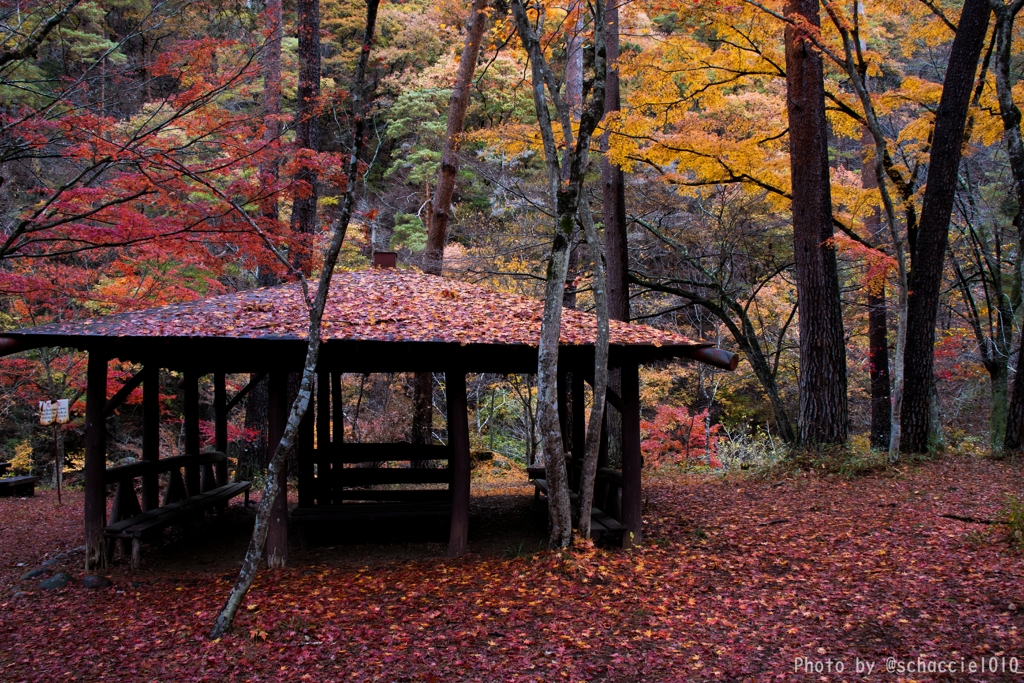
739,579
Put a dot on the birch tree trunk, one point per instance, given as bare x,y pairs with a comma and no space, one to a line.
316,311
566,180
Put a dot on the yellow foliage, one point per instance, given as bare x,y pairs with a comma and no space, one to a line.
22,461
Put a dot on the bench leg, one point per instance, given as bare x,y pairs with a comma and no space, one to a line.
136,552
125,545
247,498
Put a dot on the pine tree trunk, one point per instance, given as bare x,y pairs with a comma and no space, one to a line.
823,409
433,256
270,67
933,231
613,186
307,131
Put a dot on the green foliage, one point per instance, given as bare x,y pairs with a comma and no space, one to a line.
409,233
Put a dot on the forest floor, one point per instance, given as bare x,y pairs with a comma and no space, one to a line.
739,579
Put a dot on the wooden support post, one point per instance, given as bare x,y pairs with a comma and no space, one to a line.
632,503
579,417
458,441
220,425
193,485
323,437
277,417
337,437
151,434
95,462
305,456
564,417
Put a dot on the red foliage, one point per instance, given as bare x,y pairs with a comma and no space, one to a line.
676,436
739,578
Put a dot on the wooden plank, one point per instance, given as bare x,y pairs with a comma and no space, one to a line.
95,461
355,453
151,435
371,512
117,399
174,512
371,476
115,475
410,495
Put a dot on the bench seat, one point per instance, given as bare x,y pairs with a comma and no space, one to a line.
368,512
601,523
135,527
18,486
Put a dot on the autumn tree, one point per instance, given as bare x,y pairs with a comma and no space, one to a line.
823,411
928,254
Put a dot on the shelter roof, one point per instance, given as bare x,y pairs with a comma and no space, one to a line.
380,305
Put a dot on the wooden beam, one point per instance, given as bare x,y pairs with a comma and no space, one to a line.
277,417
323,437
458,440
632,504
305,456
220,424
237,398
193,479
123,393
95,461
336,478
150,435
579,416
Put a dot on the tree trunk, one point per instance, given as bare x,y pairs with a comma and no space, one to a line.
823,410
270,67
433,256
307,132
878,328
613,185
566,186
316,309
933,231
1010,114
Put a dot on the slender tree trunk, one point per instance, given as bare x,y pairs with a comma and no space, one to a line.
433,256
566,181
592,447
823,409
270,66
316,310
307,132
878,328
613,184
933,232
1010,114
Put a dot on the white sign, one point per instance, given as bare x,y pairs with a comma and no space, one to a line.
62,411
45,413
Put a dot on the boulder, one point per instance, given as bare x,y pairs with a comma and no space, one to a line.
56,581
95,581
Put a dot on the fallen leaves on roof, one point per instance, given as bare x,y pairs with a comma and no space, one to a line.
369,305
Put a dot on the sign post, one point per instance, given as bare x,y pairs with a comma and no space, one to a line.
55,413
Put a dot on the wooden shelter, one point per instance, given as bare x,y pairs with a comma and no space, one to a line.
380,320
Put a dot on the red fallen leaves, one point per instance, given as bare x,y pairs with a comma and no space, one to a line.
370,305
737,578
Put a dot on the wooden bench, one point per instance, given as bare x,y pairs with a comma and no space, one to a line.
602,524
134,528
128,522
18,486
349,484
